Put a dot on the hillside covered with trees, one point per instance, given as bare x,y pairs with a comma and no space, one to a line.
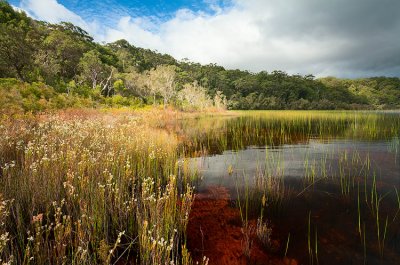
52,66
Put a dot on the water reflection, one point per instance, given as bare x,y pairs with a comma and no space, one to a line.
297,160
289,144
340,169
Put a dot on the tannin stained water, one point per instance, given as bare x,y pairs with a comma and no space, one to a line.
299,161
327,183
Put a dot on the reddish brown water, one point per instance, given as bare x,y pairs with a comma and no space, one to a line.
215,231
323,225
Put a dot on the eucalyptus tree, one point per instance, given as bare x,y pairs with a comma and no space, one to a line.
195,96
95,72
161,80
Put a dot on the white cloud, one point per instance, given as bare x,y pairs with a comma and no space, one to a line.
243,36
50,11
135,32
298,36
18,9
54,12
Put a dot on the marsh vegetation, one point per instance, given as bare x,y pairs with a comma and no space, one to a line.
162,187
89,187
318,187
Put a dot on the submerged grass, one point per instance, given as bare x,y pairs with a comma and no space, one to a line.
348,175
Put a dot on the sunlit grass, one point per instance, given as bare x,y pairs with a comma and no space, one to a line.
84,188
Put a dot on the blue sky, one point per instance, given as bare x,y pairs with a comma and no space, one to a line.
356,38
109,11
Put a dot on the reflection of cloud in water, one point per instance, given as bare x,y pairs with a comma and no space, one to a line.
298,160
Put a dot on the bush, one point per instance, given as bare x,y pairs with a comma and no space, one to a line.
18,97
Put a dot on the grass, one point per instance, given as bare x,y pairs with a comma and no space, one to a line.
350,169
312,248
287,245
398,204
247,229
264,233
88,187
97,187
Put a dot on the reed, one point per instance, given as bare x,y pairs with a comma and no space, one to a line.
87,188
312,246
247,229
309,244
107,186
264,233
359,211
398,203
287,245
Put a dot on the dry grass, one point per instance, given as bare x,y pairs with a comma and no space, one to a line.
89,187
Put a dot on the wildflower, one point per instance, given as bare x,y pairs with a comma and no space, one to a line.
38,218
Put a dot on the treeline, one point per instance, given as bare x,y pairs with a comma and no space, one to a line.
59,65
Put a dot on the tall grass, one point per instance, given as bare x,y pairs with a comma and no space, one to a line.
247,229
88,188
105,187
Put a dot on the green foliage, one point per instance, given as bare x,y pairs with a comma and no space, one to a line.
91,67
59,55
65,57
380,92
18,37
119,86
17,97
120,101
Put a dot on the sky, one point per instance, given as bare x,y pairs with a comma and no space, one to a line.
344,38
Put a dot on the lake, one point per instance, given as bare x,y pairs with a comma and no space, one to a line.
325,185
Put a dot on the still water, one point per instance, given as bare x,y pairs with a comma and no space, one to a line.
296,161
337,172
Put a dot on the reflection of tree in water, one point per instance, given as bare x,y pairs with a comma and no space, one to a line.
328,184
216,134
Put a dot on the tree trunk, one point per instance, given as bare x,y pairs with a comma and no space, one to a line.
19,73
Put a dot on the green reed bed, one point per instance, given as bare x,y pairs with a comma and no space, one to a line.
276,128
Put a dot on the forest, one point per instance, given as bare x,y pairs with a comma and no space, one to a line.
55,66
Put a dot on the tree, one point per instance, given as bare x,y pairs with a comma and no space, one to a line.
129,57
18,41
162,81
77,32
95,72
195,96
119,86
91,67
220,101
60,54
137,84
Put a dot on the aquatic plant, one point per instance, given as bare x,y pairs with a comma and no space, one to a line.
264,232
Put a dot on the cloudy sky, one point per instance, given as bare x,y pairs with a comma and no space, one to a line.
345,38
